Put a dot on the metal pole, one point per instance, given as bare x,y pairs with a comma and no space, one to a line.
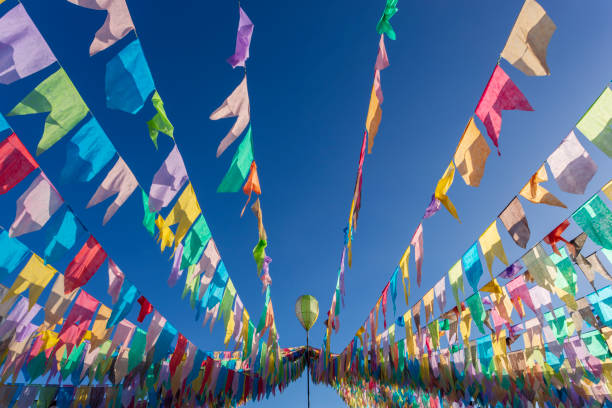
307,369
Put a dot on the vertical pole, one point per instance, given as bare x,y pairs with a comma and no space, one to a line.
307,369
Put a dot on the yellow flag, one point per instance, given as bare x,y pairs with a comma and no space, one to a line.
492,247
373,119
607,189
428,301
184,213
492,287
537,194
166,236
442,188
471,155
403,264
35,276
229,330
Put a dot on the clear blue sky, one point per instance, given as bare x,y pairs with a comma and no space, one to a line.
310,74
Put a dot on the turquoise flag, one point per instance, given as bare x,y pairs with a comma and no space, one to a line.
239,169
595,218
472,266
195,242
62,235
12,253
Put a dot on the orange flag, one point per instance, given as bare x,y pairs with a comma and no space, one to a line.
252,185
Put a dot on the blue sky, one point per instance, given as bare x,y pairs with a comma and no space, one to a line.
310,75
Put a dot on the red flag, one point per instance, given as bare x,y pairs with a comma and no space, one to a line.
15,163
84,265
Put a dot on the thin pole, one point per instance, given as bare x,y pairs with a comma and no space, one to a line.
307,369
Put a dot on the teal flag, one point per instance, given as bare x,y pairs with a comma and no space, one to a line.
567,277
485,354
148,220
12,253
162,346
128,80
239,169
595,218
58,96
384,25
137,348
472,266
62,235
602,304
474,303
195,242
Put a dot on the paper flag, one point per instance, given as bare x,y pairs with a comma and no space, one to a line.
471,155
35,276
595,218
239,168
595,124
237,104
15,163
514,219
168,180
472,266
159,122
243,40
195,242
417,243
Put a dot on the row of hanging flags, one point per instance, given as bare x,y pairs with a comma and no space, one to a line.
572,169
128,85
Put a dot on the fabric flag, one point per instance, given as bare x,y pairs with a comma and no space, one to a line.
519,294
384,24
595,124
117,25
87,152
440,293
236,105
471,155
20,317
57,302
602,301
540,267
24,50
148,220
373,117
537,194
455,278
145,308
155,328
417,243
554,237
595,218
128,81
84,265
403,265
195,242
159,122
78,320
168,180
566,279
239,169
571,165
35,276
12,253
127,297
15,163
474,303
491,245
591,265
514,219
184,212
511,271
35,207
382,62
256,208
62,235
442,188
243,40
432,208
528,41
115,280
251,186
58,96
393,287
121,181
607,190
472,266
500,94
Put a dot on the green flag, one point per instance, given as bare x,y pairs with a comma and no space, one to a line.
596,123
148,220
474,303
239,169
384,26
159,122
195,242
58,96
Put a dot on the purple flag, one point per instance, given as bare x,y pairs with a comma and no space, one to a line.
432,208
511,271
19,319
176,272
168,180
23,50
243,41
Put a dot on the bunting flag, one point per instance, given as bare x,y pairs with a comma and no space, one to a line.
35,207
120,181
477,311
12,253
128,81
595,124
35,276
57,302
148,220
117,25
145,309
514,219
78,320
16,163
590,265
528,41
62,235
25,51
432,208
195,242
537,194
115,280
499,94
595,218
168,180
373,117
87,152
403,265
184,212
472,266
554,237
471,154
239,169
571,165
442,188
58,96
159,122
417,243
251,186
384,24
122,308
491,245
236,105
455,278
243,40
84,265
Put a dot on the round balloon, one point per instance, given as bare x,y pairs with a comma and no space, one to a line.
307,310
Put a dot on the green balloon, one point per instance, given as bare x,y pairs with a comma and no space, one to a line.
307,311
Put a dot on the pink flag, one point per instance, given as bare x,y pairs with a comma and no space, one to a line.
34,208
115,280
15,163
117,25
155,327
500,94
382,62
236,105
517,289
120,181
84,265
78,320
168,180
417,243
